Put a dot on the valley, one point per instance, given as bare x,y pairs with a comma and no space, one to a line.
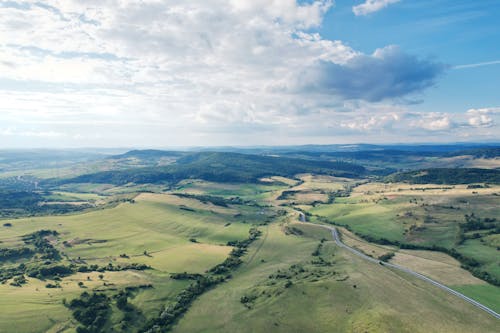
211,254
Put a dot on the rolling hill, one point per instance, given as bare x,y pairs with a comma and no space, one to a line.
450,176
221,167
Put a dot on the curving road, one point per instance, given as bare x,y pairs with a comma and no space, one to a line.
338,241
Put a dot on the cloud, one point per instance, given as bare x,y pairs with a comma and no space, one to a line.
377,122
387,73
482,117
36,134
371,6
433,122
477,64
170,72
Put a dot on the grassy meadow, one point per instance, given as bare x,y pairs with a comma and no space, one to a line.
351,295
426,215
293,278
166,232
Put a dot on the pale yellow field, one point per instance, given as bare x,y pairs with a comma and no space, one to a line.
307,197
313,188
371,249
467,161
438,266
284,180
321,182
375,190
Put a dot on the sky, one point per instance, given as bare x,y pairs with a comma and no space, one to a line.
177,73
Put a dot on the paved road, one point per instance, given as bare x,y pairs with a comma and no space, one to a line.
338,241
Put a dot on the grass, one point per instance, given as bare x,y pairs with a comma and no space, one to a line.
309,197
132,228
309,190
382,301
370,219
321,182
371,249
312,231
192,257
419,214
245,191
436,265
72,196
488,294
34,308
175,239
485,254
174,234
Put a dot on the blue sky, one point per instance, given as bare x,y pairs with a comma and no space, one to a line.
453,32
160,73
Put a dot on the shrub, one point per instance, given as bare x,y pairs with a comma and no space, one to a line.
386,256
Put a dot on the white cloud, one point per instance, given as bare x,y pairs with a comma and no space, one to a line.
432,121
438,124
151,72
483,117
377,122
477,64
371,6
36,134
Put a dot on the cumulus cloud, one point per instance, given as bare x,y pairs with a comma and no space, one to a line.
387,73
371,6
433,121
176,72
482,117
378,122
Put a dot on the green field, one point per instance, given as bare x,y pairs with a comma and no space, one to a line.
349,296
422,215
135,238
372,219
487,294
153,224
